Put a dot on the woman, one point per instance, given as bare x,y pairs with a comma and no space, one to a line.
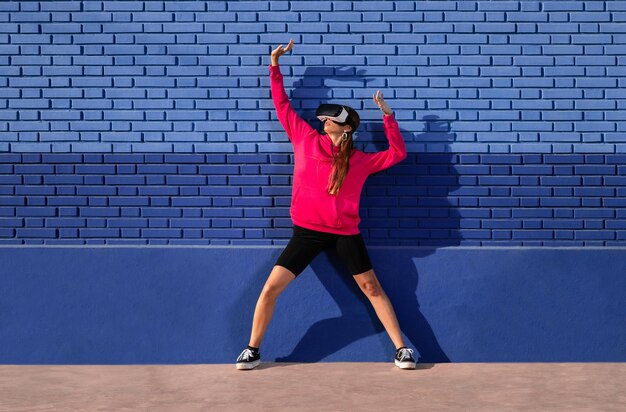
328,177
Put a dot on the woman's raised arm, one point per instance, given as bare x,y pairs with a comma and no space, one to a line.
295,126
397,150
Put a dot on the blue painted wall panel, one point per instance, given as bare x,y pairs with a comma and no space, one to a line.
127,305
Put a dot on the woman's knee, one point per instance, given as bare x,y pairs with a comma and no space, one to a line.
372,289
369,284
277,282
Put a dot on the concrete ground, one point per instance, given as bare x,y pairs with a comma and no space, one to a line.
315,387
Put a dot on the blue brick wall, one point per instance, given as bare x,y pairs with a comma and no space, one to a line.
430,199
190,76
130,122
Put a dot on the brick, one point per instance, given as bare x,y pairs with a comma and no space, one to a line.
36,233
561,202
561,180
594,235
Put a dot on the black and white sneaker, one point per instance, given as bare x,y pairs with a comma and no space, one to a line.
249,359
404,358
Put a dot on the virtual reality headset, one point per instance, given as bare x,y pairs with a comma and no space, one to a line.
335,112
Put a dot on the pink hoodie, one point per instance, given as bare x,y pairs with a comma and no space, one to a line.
312,206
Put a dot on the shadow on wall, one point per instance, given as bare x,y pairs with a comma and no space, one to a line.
414,205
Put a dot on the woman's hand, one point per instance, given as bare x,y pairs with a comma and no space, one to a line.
380,101
279,51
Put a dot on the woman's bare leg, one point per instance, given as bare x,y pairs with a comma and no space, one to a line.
277,281
369,284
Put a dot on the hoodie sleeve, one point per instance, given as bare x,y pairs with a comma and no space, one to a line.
295,126
396,153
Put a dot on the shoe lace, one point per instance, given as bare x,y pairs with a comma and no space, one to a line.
247,354
405,353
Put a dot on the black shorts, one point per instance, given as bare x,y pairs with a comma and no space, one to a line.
305,244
